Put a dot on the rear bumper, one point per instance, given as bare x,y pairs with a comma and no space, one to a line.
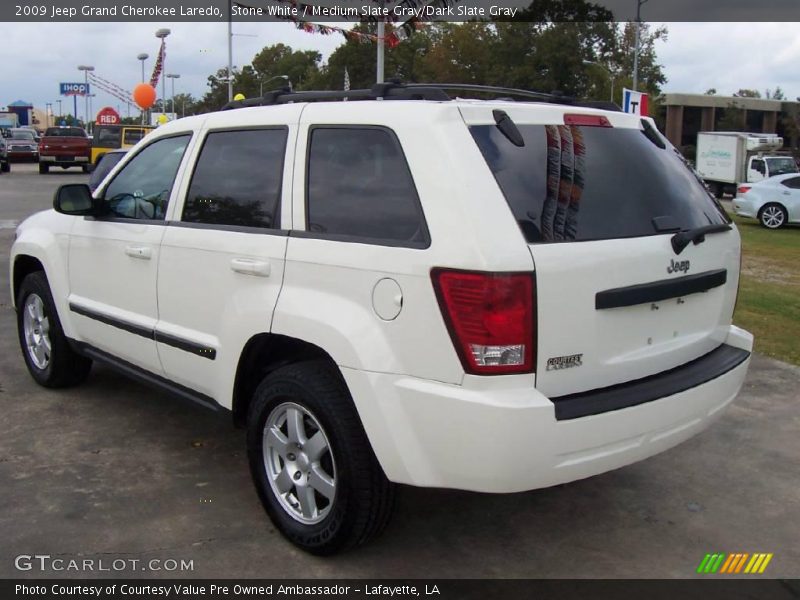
744,208
432,434
71,160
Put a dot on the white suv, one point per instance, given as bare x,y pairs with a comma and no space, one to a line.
486,295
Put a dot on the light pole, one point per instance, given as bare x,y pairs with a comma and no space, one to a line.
142,57
162,35
636,44
173,76
262,82
86,69
607,70
91,110
60,113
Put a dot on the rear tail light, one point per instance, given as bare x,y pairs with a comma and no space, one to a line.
490,317
743,189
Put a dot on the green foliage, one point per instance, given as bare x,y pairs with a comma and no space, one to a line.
746,93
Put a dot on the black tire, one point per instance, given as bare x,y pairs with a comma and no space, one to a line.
773,216
85,168
65,367
43,169
6,167
363,499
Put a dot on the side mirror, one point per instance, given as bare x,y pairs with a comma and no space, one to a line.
74,199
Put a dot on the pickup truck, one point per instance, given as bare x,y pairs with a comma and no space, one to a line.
64,147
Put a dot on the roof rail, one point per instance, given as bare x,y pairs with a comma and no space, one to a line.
395,90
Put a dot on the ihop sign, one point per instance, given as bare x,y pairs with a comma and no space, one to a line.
74,89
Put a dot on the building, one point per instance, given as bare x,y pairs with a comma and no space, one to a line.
688,114
24,112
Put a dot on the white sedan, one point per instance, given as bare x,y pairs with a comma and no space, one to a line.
774,201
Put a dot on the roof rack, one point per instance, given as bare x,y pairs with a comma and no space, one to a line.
395,90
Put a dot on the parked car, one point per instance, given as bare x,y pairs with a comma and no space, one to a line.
64,147
475,294
21,145
112,137
774,201
5,166
103,167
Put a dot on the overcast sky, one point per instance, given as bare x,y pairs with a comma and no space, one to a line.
697,56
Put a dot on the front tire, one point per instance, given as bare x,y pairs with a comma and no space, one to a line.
50,359
311,462
773,216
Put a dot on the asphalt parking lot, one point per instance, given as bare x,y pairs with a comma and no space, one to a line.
112,469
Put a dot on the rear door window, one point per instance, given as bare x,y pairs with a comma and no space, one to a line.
237,179
359,187
580,183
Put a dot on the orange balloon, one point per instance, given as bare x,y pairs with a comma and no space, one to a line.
144,95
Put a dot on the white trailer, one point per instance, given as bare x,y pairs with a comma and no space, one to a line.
728,158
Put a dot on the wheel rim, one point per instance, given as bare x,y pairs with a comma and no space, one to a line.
299,463
772,217
36,329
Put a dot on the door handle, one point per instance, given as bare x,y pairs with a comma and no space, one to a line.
248,266
143,252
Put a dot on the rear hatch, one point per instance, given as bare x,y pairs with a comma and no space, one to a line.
599,197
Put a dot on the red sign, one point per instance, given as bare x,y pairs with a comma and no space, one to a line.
107,116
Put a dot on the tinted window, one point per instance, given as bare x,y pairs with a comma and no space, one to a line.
132,136
237,180
106,137
103,167
593,183
141,189
65,132
21,135
792,182
359,185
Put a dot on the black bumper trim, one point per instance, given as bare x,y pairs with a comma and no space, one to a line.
697,372
656,291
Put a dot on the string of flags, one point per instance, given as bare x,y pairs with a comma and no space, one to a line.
159,66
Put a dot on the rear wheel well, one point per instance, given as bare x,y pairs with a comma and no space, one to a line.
263,354
23,266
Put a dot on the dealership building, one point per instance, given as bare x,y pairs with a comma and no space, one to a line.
688,114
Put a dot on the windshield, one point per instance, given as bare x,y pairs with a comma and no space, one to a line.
65,132
576,183
781,166
22,135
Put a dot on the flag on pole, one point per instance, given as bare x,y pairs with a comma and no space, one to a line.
634,102
346,80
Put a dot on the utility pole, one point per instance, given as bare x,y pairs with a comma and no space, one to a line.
162,35
381,44
636,44
173,76
230,51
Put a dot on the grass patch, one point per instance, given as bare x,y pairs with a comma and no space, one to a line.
769,293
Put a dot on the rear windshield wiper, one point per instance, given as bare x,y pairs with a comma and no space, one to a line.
683,238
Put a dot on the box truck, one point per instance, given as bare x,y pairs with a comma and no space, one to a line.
727,158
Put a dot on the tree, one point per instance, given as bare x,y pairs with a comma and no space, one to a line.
746,93
732,118
711,92
776,95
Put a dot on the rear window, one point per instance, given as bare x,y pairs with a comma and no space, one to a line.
65,132
573,183
106,137
133,136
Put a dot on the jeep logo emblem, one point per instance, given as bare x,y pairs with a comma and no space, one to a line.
678,267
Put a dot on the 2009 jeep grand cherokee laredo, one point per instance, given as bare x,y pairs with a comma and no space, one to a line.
486,295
